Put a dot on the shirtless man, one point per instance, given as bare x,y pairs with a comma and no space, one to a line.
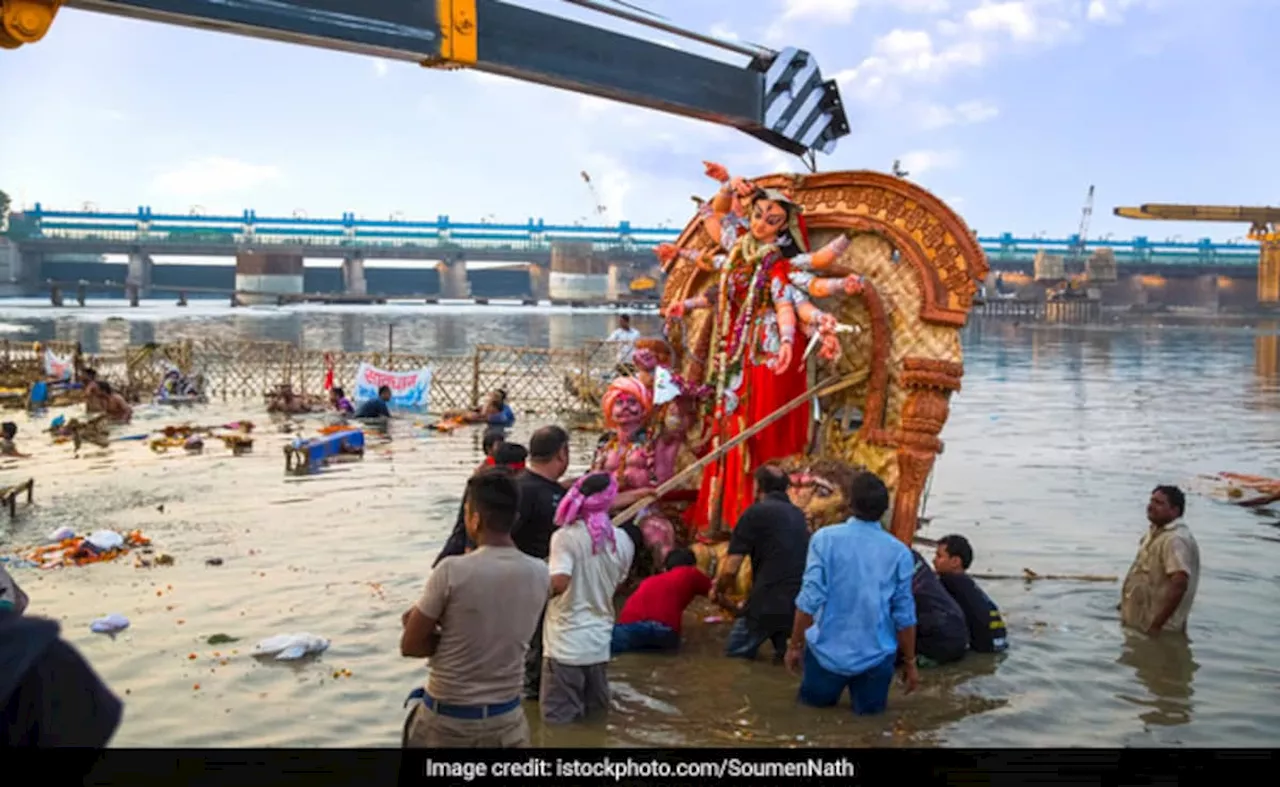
113,404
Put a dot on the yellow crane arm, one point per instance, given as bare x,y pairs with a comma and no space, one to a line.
1233,213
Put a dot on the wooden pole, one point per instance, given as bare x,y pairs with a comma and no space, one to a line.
818,391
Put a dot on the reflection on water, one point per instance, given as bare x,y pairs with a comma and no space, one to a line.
1051,452
1165,667
430,330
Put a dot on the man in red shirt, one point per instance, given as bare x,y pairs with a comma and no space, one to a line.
650,620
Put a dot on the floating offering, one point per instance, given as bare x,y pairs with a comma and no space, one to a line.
308,456
289,647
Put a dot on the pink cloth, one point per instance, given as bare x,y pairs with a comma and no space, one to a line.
592,510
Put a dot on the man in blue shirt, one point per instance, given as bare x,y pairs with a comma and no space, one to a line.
855,610
376,408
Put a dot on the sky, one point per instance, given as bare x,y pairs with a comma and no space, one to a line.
1007,110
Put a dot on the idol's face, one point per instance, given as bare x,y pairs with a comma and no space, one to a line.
767,220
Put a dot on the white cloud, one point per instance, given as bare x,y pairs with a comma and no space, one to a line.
379,66
919,6
612,181
1112,11
723,32
936,116
907,54
918,162
212,176
1015,17
826,11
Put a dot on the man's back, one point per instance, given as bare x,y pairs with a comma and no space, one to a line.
942,632
536,515
493,598
987,631
861,578
662,598
373,408
579,623
774,534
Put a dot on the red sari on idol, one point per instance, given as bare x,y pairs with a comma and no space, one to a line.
751,390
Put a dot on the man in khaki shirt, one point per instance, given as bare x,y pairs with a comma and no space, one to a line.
1161,584
474,621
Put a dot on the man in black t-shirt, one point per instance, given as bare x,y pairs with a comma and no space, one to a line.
942,635
987,631
540,494
774,534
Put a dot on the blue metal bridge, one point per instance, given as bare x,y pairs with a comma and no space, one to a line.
214,235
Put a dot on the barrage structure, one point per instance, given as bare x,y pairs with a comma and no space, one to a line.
567,262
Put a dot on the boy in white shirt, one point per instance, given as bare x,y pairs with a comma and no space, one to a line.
589,559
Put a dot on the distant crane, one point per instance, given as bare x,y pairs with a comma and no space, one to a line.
1077,249
600,209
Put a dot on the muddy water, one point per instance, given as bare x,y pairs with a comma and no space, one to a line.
1052,448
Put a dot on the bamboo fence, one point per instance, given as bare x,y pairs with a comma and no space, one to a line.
537,380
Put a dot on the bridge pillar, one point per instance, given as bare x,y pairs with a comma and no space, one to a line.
453,279
138,277
539,285
1269,270
19,270
576,274
268,274
617,284
1101,266
1049,267
353,281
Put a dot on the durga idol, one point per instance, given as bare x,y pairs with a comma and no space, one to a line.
761,298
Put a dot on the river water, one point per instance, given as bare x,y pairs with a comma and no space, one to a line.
1052,448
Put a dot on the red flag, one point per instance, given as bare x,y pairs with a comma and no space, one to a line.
328,371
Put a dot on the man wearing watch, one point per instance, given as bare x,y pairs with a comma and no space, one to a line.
855,610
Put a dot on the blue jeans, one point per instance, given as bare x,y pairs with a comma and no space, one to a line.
868,690
746,638
643,635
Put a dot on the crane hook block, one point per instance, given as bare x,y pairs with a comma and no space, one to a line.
25,21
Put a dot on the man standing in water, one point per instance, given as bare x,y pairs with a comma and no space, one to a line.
1161,584
474,622
855,612
540,495
773,533
624,336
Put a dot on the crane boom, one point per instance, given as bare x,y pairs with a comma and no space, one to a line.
778,97
1232,213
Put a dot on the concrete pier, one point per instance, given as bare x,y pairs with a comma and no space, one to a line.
268,273
539,283
139,276
453,279
353,281
576,274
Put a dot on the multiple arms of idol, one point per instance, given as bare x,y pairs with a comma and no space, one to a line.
723,219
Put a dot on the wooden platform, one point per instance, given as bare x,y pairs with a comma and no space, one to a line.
9,495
